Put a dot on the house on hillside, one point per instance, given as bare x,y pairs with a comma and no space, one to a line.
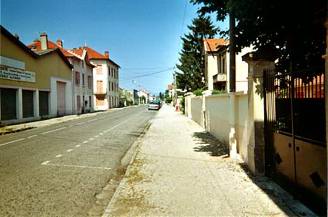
217,66
82,75
33,84
105,78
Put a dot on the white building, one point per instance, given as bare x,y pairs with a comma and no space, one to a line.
217,66
105,79
143,96
83,81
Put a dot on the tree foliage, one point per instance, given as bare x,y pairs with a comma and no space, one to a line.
191,66
294,29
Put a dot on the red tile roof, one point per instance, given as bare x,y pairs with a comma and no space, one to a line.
36,45
213,45
92,54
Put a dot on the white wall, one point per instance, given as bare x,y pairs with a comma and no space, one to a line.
226,117
196,109
217,109
103,77
211,69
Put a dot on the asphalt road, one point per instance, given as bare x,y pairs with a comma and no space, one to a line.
60,170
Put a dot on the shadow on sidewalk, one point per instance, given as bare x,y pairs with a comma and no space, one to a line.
208,143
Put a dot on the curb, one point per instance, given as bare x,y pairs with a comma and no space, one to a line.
135,150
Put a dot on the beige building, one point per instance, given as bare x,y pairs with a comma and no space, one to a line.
217,66
32,84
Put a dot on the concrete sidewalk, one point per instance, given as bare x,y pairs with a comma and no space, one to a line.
180,170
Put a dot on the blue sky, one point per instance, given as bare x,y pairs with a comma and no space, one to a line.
142,36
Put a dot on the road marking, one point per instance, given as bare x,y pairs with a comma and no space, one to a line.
96,136
86,141
75,166
45,163
77,146
32,136
91,139
100,134
17,140
59,155
50,131
69,150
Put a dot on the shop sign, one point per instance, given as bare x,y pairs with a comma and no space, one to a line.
16,74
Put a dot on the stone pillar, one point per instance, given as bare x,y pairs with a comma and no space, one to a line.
232,132
19,104
36,104
326,86
188,104
255,125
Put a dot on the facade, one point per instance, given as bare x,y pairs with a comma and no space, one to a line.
217,66
105,79
32,84
143,96
126,97
82,85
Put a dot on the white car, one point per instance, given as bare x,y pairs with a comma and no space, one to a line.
154,106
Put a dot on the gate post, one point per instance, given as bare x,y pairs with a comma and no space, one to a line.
255,125
326,89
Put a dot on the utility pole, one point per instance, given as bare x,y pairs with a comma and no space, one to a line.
175,88
232,54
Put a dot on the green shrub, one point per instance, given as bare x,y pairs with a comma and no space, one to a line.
216,92
198,92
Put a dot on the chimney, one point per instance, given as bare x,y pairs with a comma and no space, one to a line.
106,54
59,43
44,41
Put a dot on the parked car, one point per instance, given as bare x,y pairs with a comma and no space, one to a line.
154,105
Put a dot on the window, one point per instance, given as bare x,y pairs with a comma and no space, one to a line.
77,78
83,83
43,103
224,65
100,87
89,101
89,82
78,103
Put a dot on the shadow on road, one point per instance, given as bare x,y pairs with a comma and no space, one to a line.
208,143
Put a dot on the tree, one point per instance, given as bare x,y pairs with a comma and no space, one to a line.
161,96
192,66
293,29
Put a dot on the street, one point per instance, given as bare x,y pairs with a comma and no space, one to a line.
59,170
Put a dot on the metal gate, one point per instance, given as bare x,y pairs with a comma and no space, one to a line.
295,134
